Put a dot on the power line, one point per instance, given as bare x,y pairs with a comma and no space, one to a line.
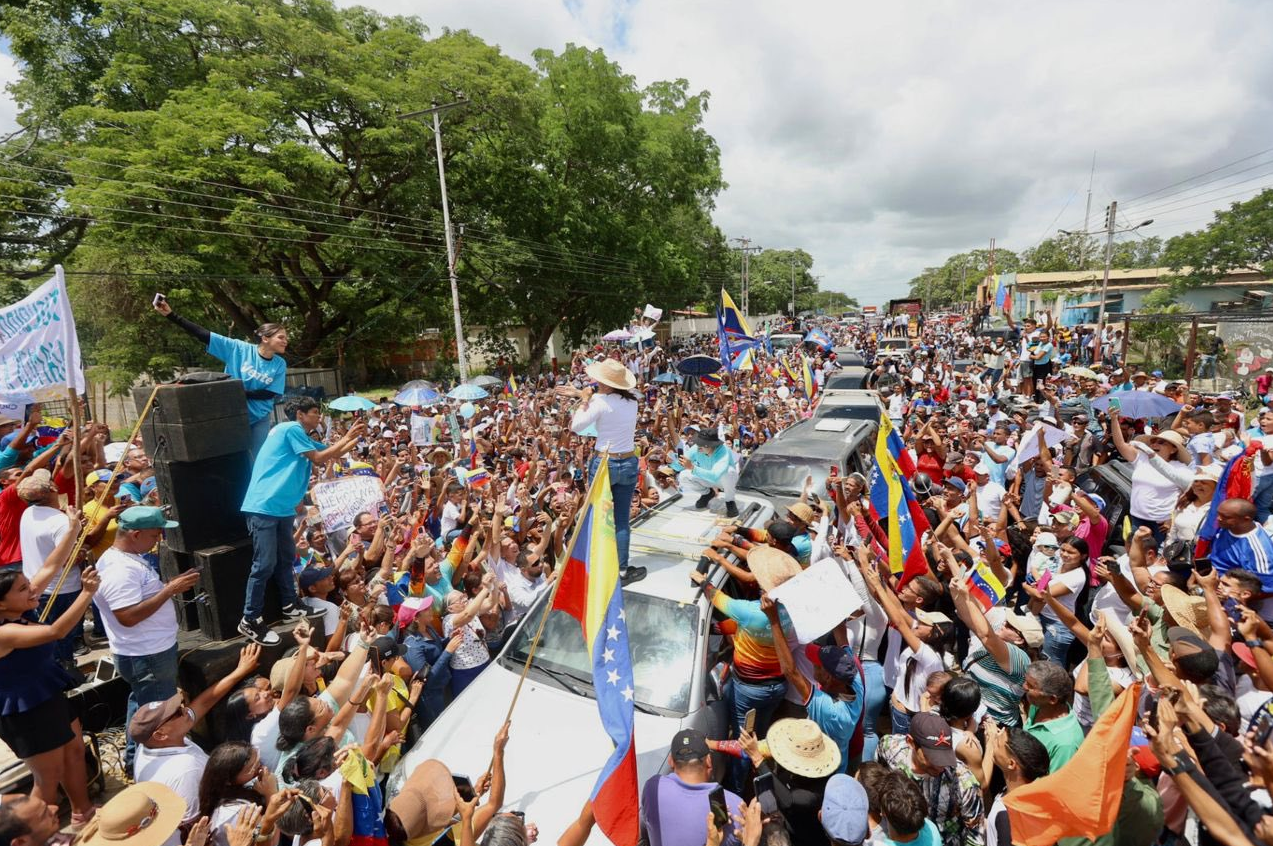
1200,175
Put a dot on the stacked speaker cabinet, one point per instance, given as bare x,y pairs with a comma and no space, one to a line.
197,437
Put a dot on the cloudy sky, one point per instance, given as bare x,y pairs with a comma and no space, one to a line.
882,137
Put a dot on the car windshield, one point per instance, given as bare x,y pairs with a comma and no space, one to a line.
779,475
781,342
661,635
845,381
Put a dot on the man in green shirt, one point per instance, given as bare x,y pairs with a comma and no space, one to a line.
1048,691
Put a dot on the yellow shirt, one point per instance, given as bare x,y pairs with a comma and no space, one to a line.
91,512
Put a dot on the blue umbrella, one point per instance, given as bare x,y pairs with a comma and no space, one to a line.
1138,404
467,392
699,365
668,378
351,403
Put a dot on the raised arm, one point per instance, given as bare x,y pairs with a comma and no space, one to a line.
1126,450
794,677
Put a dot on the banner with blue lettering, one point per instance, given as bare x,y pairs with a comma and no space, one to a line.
38,345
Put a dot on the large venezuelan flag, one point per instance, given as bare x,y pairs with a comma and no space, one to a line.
590,592
892,500
732,331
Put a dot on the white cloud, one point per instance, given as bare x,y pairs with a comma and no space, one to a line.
885,137
8,108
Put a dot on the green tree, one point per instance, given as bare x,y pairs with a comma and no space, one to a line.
248,157
957,279
833,301
772,273
1240,238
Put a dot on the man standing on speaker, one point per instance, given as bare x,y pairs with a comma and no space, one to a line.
260,367
280,477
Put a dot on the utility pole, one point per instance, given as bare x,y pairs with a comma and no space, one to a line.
1087,214
436,111
746,250
1111,216
793,288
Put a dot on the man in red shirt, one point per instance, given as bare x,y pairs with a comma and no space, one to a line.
1225,415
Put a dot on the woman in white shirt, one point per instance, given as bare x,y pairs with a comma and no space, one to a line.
1161,470
612,409
1065,585
1193,505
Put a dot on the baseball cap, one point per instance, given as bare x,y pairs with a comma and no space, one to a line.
689,745
311,576
103,475
145,517
34,486
833,659
932,734
152,715
387,647
956,483
844,809
1026,625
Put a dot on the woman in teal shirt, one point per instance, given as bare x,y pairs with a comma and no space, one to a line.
260,367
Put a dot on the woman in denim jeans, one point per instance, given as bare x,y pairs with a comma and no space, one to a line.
610,409
1066,585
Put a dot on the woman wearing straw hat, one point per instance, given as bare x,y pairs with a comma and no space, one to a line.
612,408
144,814
1161,470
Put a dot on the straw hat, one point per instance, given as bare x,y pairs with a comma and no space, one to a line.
801,748
1172,437
1123,638
612,373
1188,611
1207,473
426,803
801,511
771,566
145,814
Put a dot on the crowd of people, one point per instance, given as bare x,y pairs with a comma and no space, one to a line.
915,719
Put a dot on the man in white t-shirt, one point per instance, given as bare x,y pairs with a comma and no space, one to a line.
452,511
137,612
41,527
519,572
165,752
989,494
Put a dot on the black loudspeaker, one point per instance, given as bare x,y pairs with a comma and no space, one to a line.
205,497
100,705
171,565
192,422
224,582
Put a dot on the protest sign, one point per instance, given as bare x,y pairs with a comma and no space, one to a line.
421,430
818,599
453,421
340,500
1052,436
38,345
652,314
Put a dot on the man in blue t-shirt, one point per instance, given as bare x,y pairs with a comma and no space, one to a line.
280,476
1241,543
835,704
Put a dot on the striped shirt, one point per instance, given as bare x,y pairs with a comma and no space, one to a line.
755,659
1001,692
1251,551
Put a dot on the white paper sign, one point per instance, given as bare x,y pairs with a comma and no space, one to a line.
340,500
421,430
818,599
38,346
1052,436
652,314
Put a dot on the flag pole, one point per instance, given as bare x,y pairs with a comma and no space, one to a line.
119,465
574,538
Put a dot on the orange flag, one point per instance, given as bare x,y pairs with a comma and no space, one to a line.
1083,797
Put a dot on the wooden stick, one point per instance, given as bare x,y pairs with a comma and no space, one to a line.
77,499
534,644
119,465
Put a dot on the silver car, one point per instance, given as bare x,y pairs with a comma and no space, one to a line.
557,745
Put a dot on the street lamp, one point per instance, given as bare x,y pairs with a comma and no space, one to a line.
1110,232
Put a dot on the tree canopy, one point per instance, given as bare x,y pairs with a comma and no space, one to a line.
248,157
1240,238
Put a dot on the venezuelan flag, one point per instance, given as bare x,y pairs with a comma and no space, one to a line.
732,331
744,361
984,586
589,591
806,377
510,385
891,497
711,380
472,478
1210,524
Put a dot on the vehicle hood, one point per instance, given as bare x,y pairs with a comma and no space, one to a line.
555,752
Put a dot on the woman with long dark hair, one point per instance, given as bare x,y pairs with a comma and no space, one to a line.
35,717
260,366
612,408
1065,585
251,713
234,778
